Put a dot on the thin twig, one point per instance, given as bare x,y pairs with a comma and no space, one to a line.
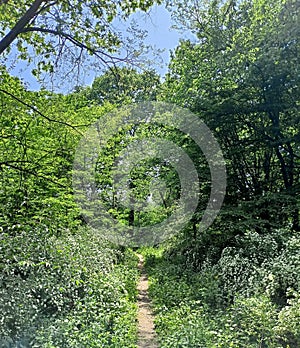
43,115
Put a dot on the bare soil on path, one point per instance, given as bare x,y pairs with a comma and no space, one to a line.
146,333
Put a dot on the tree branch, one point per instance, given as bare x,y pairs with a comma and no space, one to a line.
20,25
43,115
98,53
10,164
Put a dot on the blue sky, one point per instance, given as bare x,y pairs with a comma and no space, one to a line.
160,33
158,23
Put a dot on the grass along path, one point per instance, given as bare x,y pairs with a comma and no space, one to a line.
146,333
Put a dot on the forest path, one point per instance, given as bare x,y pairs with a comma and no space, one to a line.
146,333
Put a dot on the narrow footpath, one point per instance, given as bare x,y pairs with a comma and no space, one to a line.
146,333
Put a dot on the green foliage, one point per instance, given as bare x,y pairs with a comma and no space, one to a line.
241,75
66,292
123,85
288,326
235,285
61,284
64,34
39,133
249,322
150,204
249,298
284,270
192,321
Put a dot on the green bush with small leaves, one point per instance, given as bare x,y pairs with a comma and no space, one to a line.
73,291
249,298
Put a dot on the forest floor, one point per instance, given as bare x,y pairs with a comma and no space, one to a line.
146,333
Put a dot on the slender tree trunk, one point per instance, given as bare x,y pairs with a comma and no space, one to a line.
296,225
131,212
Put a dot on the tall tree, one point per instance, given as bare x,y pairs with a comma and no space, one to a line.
241,77
39,132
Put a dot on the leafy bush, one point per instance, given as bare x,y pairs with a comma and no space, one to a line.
289,320
249,322
231,303
66,292
185,325
283,271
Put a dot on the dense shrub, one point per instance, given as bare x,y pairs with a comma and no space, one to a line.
249,298
66,292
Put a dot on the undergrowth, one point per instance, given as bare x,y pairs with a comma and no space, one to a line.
248,298
73,291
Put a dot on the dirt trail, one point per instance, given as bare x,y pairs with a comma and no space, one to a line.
146,333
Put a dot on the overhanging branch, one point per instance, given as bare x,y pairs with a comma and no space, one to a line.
41,114
11,164
94,51
20,25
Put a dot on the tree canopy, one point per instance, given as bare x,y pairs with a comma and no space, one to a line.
241,77
124,85
63,33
